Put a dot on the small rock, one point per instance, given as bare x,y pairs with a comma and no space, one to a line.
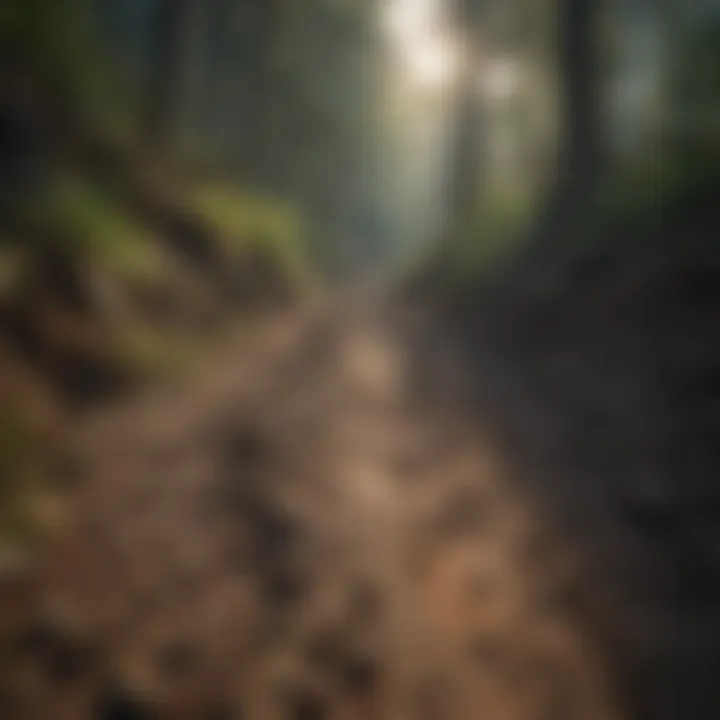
119,704
360,674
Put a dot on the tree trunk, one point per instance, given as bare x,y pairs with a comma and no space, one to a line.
580,148
466,171
169,38
467,130
581,142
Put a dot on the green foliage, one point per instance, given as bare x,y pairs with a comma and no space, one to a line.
653,210
247,222
97,228
58,41
50,31
496,228
696,72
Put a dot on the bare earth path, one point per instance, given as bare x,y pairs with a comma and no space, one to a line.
296,532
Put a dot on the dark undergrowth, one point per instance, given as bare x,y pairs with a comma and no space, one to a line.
595,358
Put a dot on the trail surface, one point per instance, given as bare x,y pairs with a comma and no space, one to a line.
300,531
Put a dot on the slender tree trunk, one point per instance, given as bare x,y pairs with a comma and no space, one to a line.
580,152
466,158
467,132
169,38
581,137
278,38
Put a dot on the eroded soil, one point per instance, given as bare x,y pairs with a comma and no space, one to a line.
300,531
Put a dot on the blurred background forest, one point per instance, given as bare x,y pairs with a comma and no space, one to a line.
153,147
171,170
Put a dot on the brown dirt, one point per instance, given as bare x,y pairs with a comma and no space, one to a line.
297,532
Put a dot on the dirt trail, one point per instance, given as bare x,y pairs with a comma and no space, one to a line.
297,532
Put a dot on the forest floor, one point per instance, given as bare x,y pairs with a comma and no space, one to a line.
299,529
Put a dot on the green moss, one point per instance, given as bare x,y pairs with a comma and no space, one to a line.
244,222
98,229
493,232
151,352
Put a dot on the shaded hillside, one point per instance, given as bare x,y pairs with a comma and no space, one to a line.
595,358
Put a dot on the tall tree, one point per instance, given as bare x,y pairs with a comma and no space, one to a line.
170,35
580,95
581,152
467,131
